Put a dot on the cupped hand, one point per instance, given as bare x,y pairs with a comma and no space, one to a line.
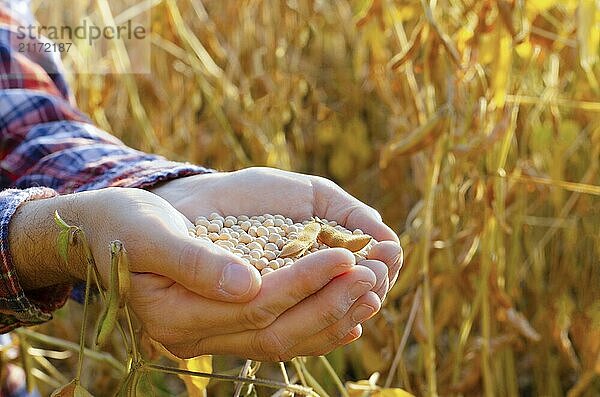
192,296
308,308
259,190
197,298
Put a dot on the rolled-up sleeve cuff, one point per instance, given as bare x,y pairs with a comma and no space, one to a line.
16,308
144,174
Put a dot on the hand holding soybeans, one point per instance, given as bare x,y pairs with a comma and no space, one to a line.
215,302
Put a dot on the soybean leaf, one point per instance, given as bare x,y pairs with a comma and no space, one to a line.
62,243
60,222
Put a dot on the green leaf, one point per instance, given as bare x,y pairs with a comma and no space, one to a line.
62,243
60,222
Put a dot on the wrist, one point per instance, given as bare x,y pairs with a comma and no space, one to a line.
33,247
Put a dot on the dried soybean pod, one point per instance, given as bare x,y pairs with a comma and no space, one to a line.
111,309
303,242
118,250
334,238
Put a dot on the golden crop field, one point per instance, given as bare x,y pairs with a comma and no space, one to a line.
473,126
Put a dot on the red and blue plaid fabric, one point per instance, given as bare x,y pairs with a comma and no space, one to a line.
48,147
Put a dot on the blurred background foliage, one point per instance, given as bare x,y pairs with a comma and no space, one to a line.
473,126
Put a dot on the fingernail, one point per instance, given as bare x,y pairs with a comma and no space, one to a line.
358,289
236,279
362,312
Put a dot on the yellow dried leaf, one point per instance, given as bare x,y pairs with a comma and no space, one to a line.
588,32
341,165
196,386
402,12
355,140
500,74
328,129
537,6
392,393
524,50
71,389
362,387
462,36
416,139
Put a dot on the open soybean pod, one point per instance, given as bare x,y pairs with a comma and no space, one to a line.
305,240
108,320
334,238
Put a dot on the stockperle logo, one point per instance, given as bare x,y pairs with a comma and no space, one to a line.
90,37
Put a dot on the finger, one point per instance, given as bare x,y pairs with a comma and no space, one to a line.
263,345
360,218
290,285
380,270
318,311
383,290
204,268
333,203
389,253
280,290
351,337
334,335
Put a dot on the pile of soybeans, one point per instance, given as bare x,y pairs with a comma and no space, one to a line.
269,242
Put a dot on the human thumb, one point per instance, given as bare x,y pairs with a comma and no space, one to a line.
211,271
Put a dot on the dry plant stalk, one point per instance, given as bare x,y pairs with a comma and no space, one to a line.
316,87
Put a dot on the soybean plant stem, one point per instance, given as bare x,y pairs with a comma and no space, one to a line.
67,345
334,376
286,379
88,282
312,382
405,334
243,373
298,369
134,350
304,391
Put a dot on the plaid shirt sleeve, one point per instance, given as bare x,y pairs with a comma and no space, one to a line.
48,147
